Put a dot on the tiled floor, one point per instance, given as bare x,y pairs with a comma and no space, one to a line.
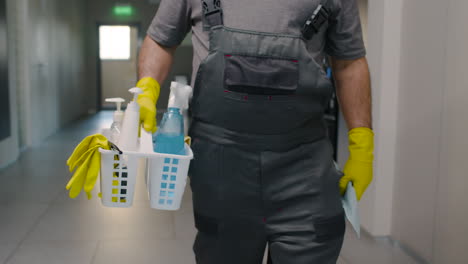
39,224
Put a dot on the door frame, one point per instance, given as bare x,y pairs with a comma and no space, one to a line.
141,36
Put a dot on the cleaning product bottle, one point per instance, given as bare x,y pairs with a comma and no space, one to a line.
170,135
128,140
116,126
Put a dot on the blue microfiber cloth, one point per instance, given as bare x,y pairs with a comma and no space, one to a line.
350,205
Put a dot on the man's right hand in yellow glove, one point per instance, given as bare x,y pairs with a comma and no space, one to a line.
358,169
147,101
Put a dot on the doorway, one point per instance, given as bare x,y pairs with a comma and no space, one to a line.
117,61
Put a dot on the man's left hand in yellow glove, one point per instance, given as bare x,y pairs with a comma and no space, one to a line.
86,159
353,89
359,167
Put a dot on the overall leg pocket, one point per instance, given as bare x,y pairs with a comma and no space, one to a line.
330,229
205,176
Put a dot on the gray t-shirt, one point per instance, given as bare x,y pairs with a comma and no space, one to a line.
342,39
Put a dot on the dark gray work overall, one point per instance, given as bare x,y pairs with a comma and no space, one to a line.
263,171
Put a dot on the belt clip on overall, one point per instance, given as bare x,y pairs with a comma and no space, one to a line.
315,22
212,14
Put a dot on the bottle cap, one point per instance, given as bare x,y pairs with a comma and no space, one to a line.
118,101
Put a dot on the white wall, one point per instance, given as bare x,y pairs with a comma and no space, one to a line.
9,148
420,123
50,66
451,228
417,57
363,10
385,67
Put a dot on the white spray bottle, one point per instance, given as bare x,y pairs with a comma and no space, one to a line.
116,126
129,135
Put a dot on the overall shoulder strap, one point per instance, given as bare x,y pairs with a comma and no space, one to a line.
212,13
315,22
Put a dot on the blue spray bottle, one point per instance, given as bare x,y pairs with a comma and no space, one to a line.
170,135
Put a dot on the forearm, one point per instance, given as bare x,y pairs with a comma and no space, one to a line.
354,91
155,60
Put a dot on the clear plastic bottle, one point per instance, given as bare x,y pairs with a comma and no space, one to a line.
118,117
170,136
115,131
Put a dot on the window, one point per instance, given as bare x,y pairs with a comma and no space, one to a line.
114,42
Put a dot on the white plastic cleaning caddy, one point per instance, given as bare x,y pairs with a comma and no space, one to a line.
118,175
165,175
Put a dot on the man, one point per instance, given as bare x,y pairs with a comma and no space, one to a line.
263,171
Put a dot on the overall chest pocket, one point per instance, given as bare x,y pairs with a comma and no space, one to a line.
260,75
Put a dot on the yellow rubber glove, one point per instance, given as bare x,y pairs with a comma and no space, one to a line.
188,140
86,159
359,167
147,101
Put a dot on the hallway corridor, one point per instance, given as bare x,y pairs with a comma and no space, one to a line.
39,224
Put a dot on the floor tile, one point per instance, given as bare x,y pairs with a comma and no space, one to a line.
341,261
21,185
35,172
51,153
18,219
64,199
95,222
368,250
30,192
184,222
59,252
145,252
187,206
184,226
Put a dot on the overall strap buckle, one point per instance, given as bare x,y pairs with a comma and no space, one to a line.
212,13
315,22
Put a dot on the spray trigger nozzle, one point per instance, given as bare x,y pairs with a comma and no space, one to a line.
180,96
